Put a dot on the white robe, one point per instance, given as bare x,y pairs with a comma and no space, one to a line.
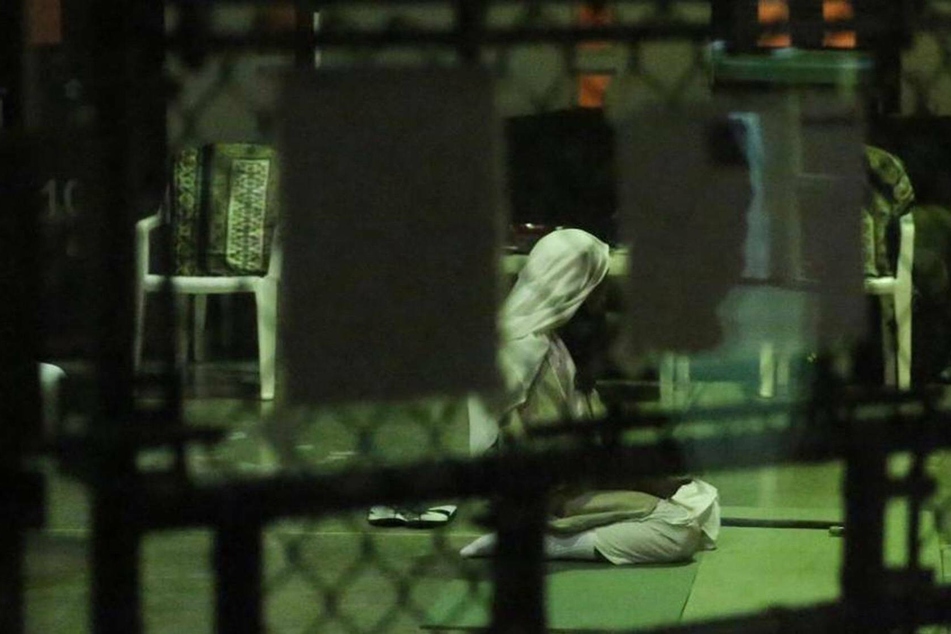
678,527
562,270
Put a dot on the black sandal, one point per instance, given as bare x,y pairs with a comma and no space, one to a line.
392,516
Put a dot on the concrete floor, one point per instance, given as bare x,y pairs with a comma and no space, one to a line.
354,578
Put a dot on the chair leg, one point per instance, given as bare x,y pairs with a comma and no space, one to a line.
181,330
138,341
666,379
682,377
198,330
783,371
889,341
674,379
903,319
767,370
265,297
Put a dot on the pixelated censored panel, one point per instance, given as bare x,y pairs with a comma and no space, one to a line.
685,193
392,201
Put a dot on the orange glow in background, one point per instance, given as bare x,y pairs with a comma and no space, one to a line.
773,12
45,22
593,86
592,16
591,90
840,39
833,11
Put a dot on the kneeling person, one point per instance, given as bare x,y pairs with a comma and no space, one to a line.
657,520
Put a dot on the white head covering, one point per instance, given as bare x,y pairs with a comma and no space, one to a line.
562,270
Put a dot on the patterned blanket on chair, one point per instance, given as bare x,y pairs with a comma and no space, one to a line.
891,197
224,207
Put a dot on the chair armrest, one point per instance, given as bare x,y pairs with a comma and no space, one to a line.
142,230
276,261
149,223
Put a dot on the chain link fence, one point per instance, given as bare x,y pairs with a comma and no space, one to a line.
322,567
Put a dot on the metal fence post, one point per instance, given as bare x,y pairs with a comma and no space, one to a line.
115,551
238,575
12,48
21,499
518,606
110,40
866,492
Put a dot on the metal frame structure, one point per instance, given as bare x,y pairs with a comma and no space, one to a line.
128,504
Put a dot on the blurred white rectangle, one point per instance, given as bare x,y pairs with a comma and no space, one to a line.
392,203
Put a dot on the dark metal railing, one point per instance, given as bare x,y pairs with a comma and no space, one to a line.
22,492
239,511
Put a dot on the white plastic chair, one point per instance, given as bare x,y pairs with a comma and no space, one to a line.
197,188
894,293
264,287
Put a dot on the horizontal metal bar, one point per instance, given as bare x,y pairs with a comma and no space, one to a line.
420,38
819,618
877,404
323,4
140,436
164,503
444,38
922,606
932,605
749,522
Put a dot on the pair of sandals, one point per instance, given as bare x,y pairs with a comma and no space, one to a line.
411,517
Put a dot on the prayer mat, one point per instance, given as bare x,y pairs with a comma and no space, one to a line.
580,598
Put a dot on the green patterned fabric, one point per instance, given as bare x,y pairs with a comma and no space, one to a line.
185,211
891,197
224,209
